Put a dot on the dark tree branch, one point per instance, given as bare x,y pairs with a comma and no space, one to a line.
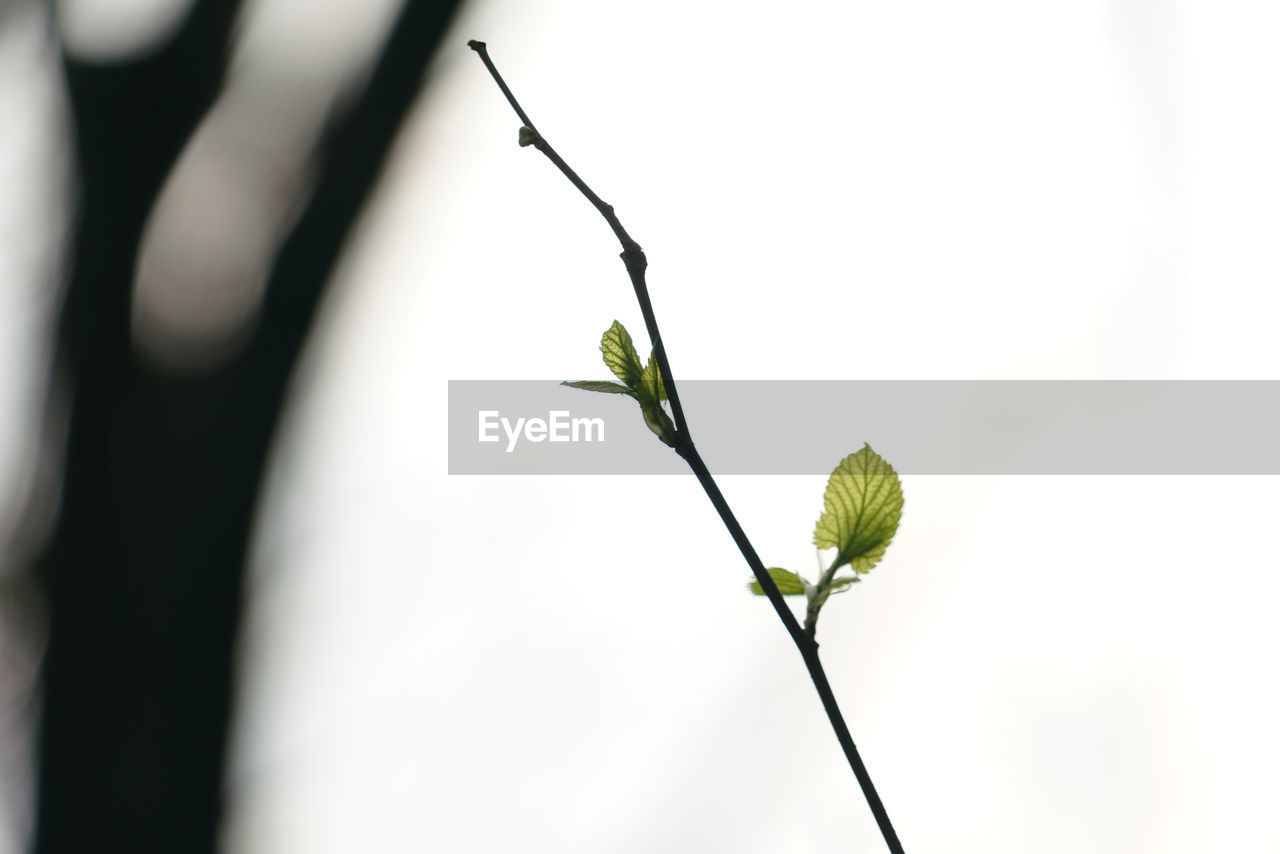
634,259
632,255
144,571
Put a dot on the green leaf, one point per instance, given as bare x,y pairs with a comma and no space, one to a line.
863,505
651,392
643,384
789,584
620,355
651,386
600,385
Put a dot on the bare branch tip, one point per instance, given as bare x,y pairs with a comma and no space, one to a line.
476,45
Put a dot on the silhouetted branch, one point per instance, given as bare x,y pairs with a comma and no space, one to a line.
634,259
144,571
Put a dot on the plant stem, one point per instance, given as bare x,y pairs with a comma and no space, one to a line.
807,645
634,259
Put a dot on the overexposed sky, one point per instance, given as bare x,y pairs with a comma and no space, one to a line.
919,190
999,190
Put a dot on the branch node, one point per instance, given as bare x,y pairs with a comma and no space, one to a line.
529,136
633,256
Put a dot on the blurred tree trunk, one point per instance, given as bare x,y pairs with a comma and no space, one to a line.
143,573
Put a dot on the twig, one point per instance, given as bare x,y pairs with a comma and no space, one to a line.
634,259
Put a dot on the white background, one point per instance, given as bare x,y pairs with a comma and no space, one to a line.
861,190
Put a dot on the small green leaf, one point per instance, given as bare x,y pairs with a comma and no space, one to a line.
863,505
650,392
601,386
643,384
528,136
789,584
651,384
620,355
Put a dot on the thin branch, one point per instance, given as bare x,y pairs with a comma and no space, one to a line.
634,259
807,645
632,255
